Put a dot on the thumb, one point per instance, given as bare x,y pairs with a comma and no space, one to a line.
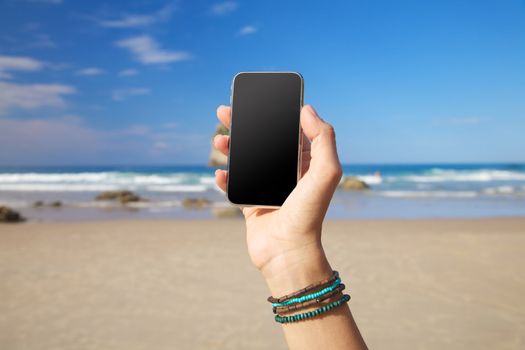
324,165
311,122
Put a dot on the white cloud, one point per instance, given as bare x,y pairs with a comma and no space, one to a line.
128,21
18,63
246,30
137,20
123,94
148,51
90,71
32,96
68,140
223,8
37,141
128,72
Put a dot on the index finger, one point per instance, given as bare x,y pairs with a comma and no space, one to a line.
224,113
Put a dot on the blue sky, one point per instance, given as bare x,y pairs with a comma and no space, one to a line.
137,82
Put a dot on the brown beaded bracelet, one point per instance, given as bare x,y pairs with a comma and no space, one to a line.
295,307
305,290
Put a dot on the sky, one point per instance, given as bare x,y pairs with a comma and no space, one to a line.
138,82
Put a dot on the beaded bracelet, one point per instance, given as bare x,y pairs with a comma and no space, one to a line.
298,306
305,315
305,290
309,296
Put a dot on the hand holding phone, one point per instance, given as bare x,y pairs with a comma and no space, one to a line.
278,239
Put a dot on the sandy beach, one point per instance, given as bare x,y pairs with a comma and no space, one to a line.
421,284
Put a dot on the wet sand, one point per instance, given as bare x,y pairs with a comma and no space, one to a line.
422,284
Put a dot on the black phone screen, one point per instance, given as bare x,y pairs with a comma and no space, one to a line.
264,138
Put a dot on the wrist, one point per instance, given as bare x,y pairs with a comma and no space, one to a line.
296,269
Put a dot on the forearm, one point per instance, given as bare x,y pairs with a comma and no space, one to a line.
335,329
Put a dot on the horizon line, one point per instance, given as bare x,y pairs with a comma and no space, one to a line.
207,166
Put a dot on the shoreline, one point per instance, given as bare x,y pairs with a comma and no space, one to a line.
240,218
345,205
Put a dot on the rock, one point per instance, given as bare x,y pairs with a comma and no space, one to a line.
351,183
9,215
54,204
195,203
128,198
216,157
227,212
121,196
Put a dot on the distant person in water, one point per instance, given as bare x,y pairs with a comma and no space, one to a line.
285,246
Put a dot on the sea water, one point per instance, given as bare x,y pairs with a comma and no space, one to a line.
396,191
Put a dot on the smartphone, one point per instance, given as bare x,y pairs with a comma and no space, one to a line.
265,138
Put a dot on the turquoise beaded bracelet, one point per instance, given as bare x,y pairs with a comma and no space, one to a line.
309,296
305,315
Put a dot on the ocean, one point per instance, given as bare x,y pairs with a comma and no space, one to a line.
396,191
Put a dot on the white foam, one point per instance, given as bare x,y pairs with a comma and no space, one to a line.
154,179
105,181
50,177
178,188
370,179
428,194
499,190
438,175
36,187
208,180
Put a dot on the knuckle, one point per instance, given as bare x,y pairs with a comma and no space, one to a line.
336,172
329,130
332,173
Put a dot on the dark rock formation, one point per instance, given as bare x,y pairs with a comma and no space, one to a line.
351,183
195,203
122,196
9,215
54,204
